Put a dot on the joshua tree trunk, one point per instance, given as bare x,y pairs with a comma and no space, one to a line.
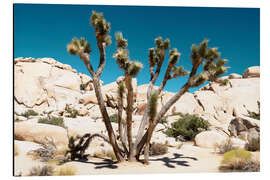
107,122
129,110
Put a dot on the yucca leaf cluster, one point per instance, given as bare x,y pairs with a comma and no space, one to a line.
213,65
121,55
157,54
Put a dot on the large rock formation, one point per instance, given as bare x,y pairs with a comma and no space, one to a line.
46,85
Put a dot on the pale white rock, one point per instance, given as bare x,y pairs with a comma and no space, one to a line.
249,82
186,104
27,85
83,125
26,146
170,141
251,72
209,139
48,60
83,111
90,97
65,79
235,76
238,143
20,118
36,132
223,78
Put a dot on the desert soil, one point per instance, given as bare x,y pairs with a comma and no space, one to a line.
187,159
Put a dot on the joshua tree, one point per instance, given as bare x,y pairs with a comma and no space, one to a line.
213,67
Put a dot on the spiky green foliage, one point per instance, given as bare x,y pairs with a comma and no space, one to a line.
179,71
97,20
134,68
198,80
57,121
224,82
122,59
152,58
120,41
166,44
29,112
77,46
239,160
108,40
194,54
153,105
202,51
121,89
187,126
255,115
78,145
212,66
174,56
73,113
158,41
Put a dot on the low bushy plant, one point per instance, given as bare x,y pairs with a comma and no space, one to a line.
255,115
163,120
253,145
158,149
188,126
225,146
57,121
41,171
72,113
29,112
239,160
111,154
65,170
114,118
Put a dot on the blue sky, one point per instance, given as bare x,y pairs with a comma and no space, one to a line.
44,31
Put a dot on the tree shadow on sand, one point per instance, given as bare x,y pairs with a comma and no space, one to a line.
175,160
169,162
106,163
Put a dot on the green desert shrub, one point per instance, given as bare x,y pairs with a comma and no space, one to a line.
57,121
224,147
163,120
255,115
187,126
72,113
158,149
114,118
253,145
41,171
239,160
111,154
65,170
29,112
